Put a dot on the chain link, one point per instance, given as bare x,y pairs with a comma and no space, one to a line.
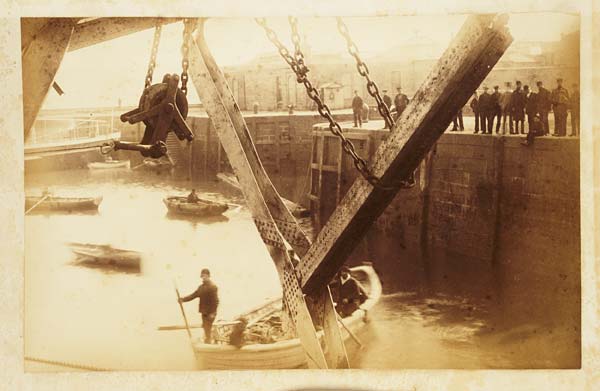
298,55
188,27
363,70
153,53
300,71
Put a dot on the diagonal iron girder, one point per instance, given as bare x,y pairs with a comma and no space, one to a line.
321,307
253,181
478,46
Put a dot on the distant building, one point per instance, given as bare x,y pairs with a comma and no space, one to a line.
269,80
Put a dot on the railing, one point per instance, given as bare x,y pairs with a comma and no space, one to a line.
57,130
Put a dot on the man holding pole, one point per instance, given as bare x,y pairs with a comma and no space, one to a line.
209,301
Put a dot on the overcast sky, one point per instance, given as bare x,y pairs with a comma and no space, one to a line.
101,74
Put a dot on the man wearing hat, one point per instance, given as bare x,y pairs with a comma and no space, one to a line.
400,101
496,108
518,102
575,111
485,111
475,107
387,99
505,99
357,109
209,301
544,105
531,108
351,294
560,104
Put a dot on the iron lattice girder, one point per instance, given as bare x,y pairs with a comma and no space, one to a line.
261,197
462,68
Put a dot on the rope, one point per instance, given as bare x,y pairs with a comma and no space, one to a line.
67,364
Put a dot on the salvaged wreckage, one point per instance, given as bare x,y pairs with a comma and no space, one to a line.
305,268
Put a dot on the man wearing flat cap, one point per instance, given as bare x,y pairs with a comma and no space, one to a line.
496,108
351,293
209,301
544,104
518,102
574,111
485,111
560,104
387,99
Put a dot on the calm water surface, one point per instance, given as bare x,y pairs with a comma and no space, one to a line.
109,319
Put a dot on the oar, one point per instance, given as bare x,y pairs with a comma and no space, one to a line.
187,327
138,166
37,203
354,337
197,326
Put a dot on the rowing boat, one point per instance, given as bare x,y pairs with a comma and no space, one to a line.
109,164
66,204
158,164
201,208
283,353
106,255
296,209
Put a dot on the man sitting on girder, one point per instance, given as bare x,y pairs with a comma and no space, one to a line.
351,294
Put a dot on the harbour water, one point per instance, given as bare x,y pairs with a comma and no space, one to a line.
110,319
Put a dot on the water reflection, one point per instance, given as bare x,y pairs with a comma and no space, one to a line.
109,318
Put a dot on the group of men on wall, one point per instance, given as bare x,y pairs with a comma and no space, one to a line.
399,104
512,106
516,104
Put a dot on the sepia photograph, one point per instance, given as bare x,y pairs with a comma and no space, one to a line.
367,192
386,198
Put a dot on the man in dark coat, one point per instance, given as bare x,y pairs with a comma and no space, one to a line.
560,104
193,197
387,99
531,108
536,128
458,122
518,102
209,301
485,111
351,294
357,107
475,107
496,109
505,99
575,111
544,104
400,102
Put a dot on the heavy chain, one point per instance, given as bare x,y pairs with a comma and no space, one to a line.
188,27
364,71
322,108
153,53
298,55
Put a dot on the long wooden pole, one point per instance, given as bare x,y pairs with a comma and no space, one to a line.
253,180
354,337
37,203
187,326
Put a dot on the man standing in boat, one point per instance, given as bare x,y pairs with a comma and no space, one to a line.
209,301
351,294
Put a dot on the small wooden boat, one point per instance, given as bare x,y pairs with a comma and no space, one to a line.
296,209
109,164
202,208
283,353
157,164
65,204
106,255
